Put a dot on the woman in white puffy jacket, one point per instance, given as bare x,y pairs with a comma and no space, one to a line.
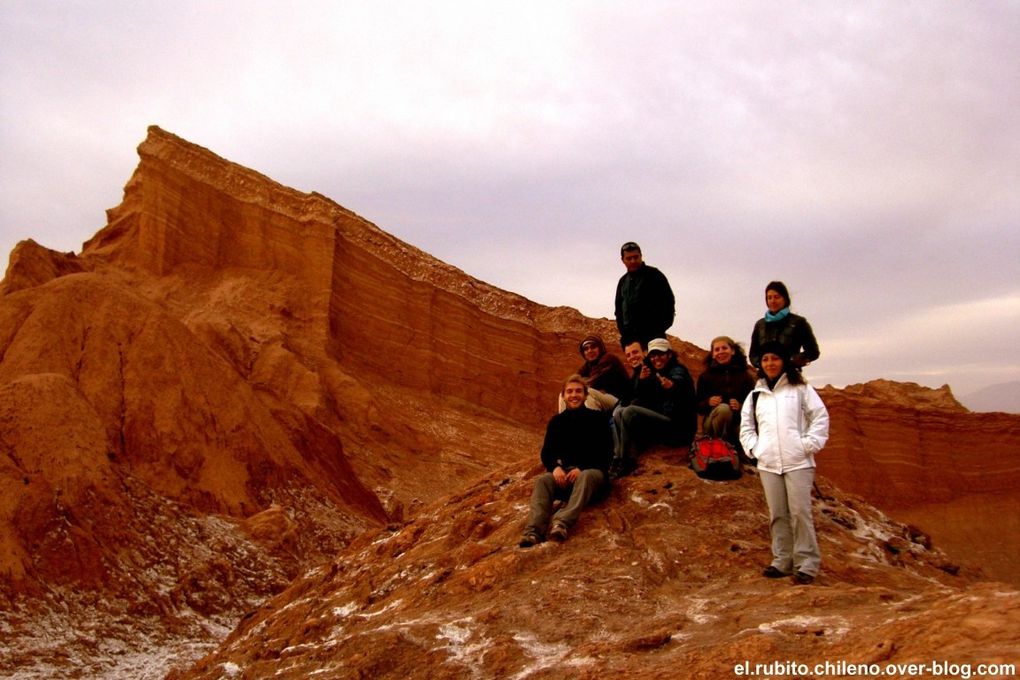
783,425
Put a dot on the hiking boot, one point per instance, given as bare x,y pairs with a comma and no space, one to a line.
621,466
529,539
772,572
802,579
614,467
558,532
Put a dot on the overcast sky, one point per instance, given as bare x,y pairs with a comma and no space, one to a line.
866,153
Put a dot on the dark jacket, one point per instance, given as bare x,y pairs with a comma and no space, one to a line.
729,381
636,387
578,438
645,306
677,403
607,373
794,332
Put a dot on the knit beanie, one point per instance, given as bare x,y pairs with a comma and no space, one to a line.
777,348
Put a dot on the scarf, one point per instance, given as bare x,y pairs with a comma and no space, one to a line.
778,316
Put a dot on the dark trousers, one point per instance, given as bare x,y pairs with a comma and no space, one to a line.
638,428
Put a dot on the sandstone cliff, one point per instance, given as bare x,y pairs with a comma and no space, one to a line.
921,456
233,380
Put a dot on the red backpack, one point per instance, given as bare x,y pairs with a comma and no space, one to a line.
715,459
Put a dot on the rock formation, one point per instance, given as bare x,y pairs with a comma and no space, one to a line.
661,580
999,398
922,457
234,382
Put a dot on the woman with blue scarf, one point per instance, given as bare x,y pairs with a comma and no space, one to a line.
782,326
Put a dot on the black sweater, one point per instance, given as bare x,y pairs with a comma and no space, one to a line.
578,438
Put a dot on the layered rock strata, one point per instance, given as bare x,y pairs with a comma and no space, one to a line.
234,379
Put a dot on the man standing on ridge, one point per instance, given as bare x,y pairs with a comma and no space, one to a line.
645,306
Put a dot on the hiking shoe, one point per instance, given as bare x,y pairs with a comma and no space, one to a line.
772,572
529,539
802,579
615,466
558,532
621,466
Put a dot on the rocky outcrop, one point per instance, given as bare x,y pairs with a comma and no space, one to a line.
660,580
234,380
369,300
922,457
901,445
905,394
32,265
238,378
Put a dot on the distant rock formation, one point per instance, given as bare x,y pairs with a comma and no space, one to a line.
235,380
999,398
900,445
906,394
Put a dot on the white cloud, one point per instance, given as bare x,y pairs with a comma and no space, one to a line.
967,344
867,154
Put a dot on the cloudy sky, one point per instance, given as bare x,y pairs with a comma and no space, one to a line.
866,153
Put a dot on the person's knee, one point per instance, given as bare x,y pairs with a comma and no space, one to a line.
801,513
546,481
627,415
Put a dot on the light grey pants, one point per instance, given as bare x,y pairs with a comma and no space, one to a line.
588,483
794,544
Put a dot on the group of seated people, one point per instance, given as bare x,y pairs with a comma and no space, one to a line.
608,414
654,401
611,410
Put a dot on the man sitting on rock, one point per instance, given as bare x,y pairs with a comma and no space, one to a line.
576,453
660,410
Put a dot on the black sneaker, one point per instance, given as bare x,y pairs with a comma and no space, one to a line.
802,579
772,572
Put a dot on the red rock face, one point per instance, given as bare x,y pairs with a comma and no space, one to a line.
925,459
905,447
234,380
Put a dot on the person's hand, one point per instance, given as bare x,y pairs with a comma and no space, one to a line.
734,404
645,372
560,477
715,401
666,383
573,475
